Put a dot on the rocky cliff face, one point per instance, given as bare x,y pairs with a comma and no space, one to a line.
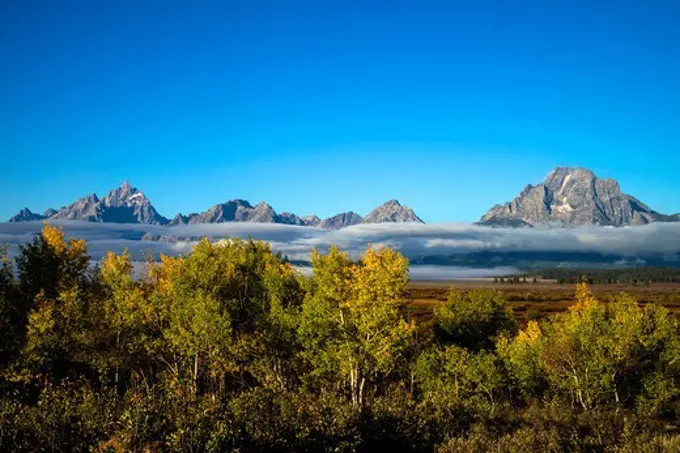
263,213
242,211
232,211
291,219
392,211
341,220
25,215
221,212
181,219
572,197
124,204
311,220
85,208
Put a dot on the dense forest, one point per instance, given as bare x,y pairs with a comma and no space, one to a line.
228,348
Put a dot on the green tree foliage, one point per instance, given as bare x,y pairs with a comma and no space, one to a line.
230,312
229,348
124,325
352,325
51,264
12,312
456,376
54,282
601,354
627,275
473,319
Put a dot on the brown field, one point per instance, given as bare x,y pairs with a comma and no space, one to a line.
536,300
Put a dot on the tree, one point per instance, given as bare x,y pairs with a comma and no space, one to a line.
522,357
54,280
50,264
231,310
13,315
474,319
352,325
453,375
124,322
597,354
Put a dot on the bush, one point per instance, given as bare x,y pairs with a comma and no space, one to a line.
473,319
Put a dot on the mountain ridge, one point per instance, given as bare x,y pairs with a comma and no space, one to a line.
124,204
569,196
127,204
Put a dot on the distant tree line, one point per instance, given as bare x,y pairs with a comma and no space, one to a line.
629,275
227,348
515,279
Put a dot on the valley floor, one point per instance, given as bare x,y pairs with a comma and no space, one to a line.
532,301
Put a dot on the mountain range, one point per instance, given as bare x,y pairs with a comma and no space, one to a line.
568,197
126,204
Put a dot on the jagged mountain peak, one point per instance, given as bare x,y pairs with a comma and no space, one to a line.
125,194
561,172
240,202
263,213
572,196
291,219
311,220
25,215
392,211
262,205
124,204
338,221
86,208
127,204
392,203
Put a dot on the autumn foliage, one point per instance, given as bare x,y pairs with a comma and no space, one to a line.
229,348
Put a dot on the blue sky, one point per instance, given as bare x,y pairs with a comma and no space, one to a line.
324,107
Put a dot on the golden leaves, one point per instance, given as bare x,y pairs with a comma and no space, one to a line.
54,237
585,300
114,266
531,334
74,252
166,273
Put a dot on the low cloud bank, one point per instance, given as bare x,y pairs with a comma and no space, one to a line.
430,272
417,241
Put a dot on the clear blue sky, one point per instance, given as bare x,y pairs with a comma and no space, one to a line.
327,106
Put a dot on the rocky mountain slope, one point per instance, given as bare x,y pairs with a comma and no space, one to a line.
126,204
25,215
573,197
85,208
311,220
341,220
567,197
392,211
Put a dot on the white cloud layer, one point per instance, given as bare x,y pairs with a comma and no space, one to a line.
414,240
